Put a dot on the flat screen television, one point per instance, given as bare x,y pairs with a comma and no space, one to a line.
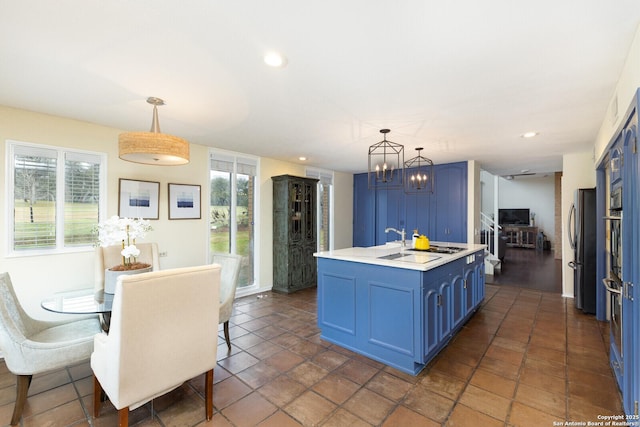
513,216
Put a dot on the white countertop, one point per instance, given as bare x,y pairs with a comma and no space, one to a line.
400,257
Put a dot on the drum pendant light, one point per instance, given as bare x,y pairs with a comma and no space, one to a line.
153,147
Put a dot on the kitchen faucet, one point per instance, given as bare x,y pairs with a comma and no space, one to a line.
401,233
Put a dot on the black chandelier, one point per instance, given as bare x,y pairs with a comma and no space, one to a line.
419,174
386,164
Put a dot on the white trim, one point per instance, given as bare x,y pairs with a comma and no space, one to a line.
236,157
325,177
14,147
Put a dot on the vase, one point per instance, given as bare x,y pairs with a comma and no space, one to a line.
111,277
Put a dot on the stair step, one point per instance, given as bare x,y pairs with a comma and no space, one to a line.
495,265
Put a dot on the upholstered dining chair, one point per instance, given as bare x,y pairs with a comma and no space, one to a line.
228,283
32,346
106,257
162,333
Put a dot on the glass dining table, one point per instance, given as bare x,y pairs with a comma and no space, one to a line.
81,301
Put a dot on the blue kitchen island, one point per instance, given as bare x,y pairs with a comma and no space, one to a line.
396,305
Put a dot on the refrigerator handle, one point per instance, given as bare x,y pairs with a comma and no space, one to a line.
572,264
571,230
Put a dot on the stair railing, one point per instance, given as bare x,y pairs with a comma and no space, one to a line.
489,227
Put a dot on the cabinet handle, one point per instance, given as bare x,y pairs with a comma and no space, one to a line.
439,300
465,284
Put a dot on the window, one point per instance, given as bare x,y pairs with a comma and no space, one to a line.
325,187
55,197
231,210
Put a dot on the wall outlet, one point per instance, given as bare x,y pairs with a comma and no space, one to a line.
162,254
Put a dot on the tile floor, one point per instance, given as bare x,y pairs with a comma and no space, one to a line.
526,358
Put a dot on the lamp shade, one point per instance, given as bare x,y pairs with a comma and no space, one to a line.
153,147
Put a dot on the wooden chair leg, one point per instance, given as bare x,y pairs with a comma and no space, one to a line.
208,394
22,389
97,397
123,417
226,334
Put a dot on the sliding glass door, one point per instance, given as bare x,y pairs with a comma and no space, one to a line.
232,210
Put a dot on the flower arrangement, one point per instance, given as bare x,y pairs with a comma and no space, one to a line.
124,231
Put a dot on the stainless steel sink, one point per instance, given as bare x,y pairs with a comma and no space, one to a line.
392,256
419,258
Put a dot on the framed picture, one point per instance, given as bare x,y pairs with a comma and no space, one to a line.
184,201
138,199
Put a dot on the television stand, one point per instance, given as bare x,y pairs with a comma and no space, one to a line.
520,236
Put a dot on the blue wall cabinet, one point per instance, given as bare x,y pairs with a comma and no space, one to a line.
417,213
390,212
441,216
630,268
624,169
364,203
449,203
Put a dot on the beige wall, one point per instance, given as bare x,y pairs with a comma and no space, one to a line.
474,200
579,169
184,241
578,172
343,210
625,90
36,276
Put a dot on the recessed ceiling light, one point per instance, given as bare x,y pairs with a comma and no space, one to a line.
529,134
302,158
275,59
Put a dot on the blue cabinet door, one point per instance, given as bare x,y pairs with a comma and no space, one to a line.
445,309
363,212
478,290
458,309
469,286
449,203
390,212
631,270
431,323
417,213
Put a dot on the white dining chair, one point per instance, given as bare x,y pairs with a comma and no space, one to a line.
162,333
32,346
228,283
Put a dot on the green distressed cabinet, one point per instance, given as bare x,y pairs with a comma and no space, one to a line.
294,233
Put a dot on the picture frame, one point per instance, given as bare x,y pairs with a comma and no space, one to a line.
138,199
184,201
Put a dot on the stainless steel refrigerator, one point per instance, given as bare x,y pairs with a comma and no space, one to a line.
582,236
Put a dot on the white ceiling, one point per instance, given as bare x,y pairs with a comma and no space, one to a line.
463,79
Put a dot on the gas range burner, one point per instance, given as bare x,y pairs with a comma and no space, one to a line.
441,249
